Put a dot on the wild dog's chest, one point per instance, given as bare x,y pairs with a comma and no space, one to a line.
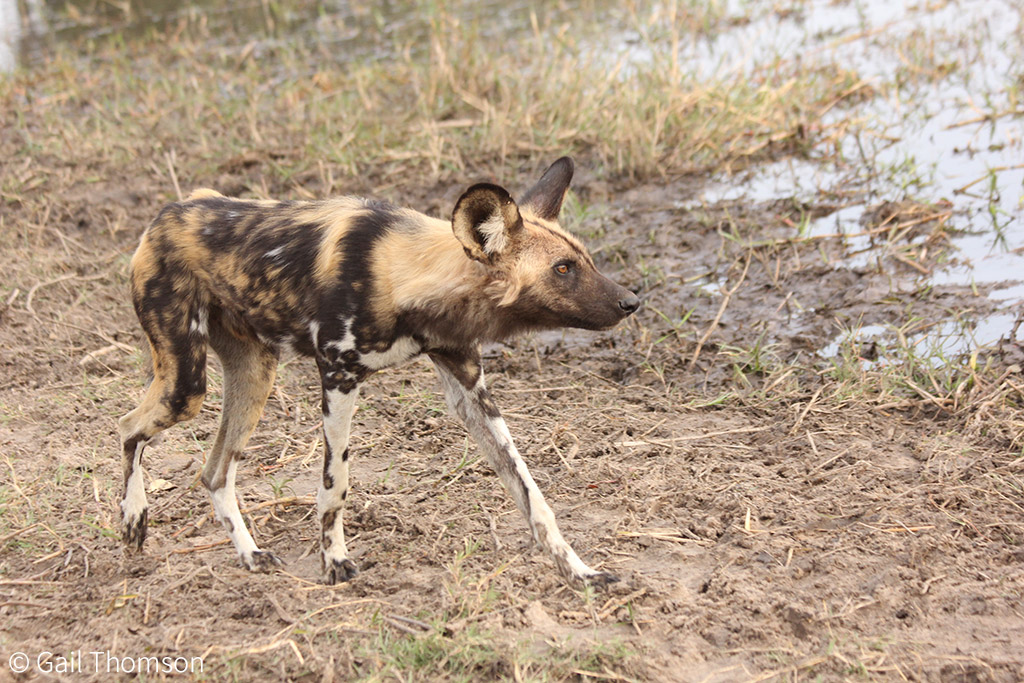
351,348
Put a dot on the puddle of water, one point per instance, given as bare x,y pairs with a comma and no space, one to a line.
34,28
348,31
861,335
791,177
929,140
935,346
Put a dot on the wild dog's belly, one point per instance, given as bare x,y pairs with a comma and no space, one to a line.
342,346
272,330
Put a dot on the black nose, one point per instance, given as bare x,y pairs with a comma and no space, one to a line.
630,303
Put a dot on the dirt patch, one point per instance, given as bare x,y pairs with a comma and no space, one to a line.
765,524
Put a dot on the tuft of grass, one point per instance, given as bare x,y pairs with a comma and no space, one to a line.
468,656
457,647
477,654
758,360
914,365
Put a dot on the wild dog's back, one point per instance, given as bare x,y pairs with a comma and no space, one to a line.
265,263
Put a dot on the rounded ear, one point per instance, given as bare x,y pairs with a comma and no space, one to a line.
545,198
484,220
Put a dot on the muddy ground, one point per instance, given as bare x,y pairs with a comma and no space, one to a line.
770,517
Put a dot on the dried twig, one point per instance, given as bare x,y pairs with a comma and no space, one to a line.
19,532
170,157
200,548
283,502
718,316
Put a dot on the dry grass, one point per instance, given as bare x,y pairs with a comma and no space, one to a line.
189,110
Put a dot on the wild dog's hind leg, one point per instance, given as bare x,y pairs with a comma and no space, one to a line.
249,370
467,397
338,404
177,339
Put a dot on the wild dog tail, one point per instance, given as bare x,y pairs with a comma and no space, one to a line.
203,193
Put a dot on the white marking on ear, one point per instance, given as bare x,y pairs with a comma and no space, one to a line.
494,233
274,253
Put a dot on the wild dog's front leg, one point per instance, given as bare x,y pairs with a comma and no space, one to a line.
338,406
468,398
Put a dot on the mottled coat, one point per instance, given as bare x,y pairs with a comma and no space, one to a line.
359,285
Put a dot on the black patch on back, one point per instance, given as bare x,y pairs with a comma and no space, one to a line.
299,243
252,230
348,298
356,245
222,218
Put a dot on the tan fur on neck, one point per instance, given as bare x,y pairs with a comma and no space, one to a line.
427,269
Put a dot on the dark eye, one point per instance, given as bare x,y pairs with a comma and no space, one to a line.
563,268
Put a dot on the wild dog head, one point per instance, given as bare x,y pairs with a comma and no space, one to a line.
549,278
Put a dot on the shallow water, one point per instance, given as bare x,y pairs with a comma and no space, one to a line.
30,29
31,32
930,139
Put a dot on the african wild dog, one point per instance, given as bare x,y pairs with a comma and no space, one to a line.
359,285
